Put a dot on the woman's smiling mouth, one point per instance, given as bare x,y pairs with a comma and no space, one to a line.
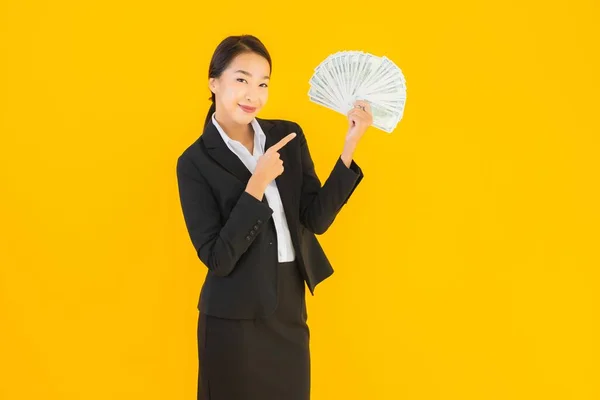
247,109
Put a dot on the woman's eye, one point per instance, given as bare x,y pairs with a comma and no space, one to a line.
242,79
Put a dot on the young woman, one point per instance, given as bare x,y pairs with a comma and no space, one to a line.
252,205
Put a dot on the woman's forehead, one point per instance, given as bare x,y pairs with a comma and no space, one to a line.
250,64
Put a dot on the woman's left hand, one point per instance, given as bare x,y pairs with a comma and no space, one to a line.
359,119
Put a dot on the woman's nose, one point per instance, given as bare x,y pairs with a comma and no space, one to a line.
251,95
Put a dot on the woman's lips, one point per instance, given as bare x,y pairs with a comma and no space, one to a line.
247,109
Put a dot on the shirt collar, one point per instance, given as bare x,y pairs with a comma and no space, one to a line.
259,135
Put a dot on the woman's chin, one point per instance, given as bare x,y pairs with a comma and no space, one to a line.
242,117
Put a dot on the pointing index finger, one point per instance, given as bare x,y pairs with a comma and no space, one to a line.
277,146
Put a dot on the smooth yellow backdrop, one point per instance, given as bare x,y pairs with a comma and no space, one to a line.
466,261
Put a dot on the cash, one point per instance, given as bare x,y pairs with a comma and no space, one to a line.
346,76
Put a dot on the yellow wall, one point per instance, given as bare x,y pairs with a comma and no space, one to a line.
466,262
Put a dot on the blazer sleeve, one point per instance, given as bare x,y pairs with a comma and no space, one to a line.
319,205
219,245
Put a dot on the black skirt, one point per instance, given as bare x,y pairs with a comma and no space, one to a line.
264,358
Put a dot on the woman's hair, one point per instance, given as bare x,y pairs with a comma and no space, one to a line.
225,52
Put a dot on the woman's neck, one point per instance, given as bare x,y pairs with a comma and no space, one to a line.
242,133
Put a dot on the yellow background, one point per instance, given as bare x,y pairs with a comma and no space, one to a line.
466,261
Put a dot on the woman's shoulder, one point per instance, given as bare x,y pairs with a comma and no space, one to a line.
190,151
283,125
277,121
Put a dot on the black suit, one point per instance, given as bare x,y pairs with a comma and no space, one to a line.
233,232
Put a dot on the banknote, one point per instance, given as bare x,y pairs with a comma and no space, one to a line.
349,75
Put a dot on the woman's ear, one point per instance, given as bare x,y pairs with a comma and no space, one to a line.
212,85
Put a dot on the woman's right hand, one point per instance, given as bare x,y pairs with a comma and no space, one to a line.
270,165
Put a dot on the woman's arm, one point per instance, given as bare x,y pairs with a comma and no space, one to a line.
219,246
319,205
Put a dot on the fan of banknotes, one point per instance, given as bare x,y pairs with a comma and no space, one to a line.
347,76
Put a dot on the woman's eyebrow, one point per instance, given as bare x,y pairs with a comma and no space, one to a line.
249,74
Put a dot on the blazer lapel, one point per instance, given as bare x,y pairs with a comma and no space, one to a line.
285,181
219,151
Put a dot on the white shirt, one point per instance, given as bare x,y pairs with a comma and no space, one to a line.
285,247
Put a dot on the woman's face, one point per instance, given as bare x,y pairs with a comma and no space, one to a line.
244,83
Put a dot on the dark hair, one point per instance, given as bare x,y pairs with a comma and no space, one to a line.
225,52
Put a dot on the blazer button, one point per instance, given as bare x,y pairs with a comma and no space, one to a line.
256,227
259,221
252,232
248,237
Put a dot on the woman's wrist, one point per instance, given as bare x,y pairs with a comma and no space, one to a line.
348,153
255,188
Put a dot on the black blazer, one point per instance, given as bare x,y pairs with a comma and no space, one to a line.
233,232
